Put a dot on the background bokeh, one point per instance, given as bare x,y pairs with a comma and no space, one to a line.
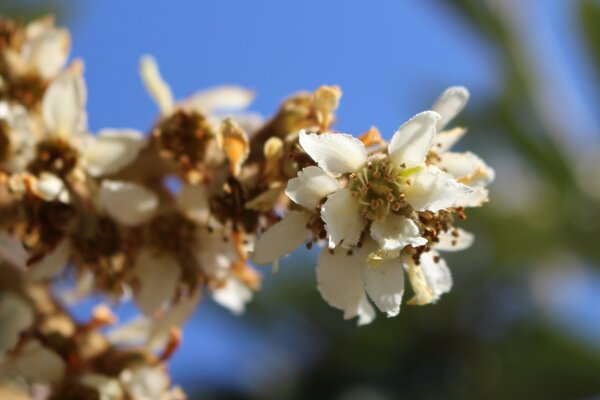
523,320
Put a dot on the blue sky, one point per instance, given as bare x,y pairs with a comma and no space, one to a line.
391,61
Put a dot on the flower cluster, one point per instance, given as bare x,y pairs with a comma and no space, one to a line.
166,217
383,210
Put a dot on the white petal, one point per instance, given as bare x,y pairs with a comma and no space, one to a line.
336,153
384,282
158,275
134,331
412,140
39,364
108,388
111,150
192,201
220,98
233,295
340,282
63,103
433,190
365,311
311,186
15,317
343,222
216,255
476,198
443,141
396,232
459,241
282,238
13,251
158,89
438,275
48,52
128,203
175,317
466,167
49,187
449,104
52,264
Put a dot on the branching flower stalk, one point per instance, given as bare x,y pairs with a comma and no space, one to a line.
183,211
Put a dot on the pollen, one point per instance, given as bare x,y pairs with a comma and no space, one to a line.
378,187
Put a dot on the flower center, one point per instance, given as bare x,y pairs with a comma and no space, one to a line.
184,136
55,156
379,188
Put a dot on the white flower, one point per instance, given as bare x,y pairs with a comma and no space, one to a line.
380,192
64,117
221,100
44,51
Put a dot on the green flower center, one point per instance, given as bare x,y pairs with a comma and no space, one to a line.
379,188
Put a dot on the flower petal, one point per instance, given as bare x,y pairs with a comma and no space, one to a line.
311,186
129,203
220,98
47,53
64,101
340,282
443,141
412,140
449,104
175,317
396,232
282,238
343,222
158,89
192,201
233,295
52,264
158,275
39,364
466,167
437,273
476,198
111,150
15,317
433,190
454,240
384,282
215,256
336,153
365,311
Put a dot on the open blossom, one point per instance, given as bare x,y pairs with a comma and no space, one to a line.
380,213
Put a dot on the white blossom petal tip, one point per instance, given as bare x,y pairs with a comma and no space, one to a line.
450,103
158,89
412,141
337,153
112,150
